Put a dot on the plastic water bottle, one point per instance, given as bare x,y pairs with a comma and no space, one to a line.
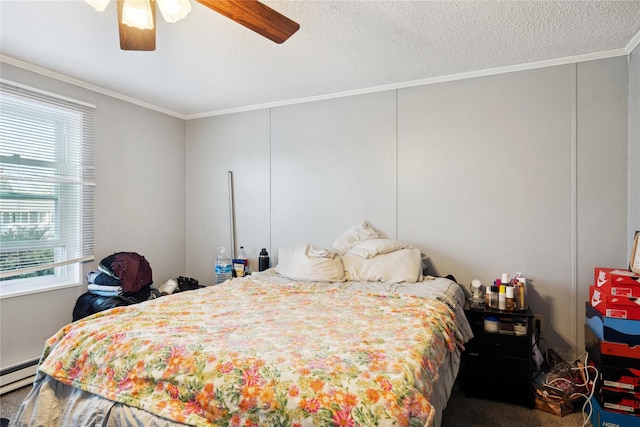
242,255
223,266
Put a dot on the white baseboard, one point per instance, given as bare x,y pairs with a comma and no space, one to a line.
20,376
17,384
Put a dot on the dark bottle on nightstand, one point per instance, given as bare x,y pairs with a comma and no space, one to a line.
263,260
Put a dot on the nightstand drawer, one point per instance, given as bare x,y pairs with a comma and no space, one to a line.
497,363
499,345
504,390
492,368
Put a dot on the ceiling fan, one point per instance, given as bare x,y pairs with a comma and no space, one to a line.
137,19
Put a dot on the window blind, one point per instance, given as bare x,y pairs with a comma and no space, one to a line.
46,184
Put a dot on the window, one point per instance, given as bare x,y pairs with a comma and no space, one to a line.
46,189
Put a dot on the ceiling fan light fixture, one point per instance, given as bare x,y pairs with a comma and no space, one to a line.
137,13
99,5
174,10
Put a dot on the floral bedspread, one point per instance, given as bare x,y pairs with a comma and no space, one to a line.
251,354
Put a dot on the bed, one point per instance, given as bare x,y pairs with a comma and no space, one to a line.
262,350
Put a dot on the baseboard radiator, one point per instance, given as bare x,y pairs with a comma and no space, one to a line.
19,375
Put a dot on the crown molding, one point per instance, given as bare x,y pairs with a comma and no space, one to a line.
432,80
633,43
64,78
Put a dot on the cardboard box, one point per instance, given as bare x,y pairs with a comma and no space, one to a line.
623,307
617,282
610,354
627,379
618,364
614,399
634,262
604,418
614,306
610,329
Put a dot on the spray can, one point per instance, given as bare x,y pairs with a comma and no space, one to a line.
494,295
521,296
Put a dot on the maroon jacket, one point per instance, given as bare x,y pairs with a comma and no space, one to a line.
131,268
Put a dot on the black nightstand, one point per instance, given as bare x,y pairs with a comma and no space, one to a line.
499,365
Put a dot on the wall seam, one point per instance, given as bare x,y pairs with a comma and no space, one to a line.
185,228
270,179
630,231
633,154
397,163
574,203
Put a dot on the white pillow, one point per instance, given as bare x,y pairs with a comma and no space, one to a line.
372,247
305,262
404,265
349,238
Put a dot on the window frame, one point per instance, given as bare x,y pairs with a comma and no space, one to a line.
72,188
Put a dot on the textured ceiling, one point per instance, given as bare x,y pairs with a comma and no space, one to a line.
206,63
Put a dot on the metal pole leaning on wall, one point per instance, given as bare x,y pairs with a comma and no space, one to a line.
232,216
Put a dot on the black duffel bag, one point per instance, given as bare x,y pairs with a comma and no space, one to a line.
89,303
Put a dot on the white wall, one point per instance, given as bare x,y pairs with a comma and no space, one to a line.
333,164
634,142
246,155
602,172
139,201
490,159
429,165
486,175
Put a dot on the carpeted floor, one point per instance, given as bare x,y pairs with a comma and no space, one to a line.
461,411
10,402
470,412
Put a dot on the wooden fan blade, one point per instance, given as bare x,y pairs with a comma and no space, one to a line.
255,16
132,38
